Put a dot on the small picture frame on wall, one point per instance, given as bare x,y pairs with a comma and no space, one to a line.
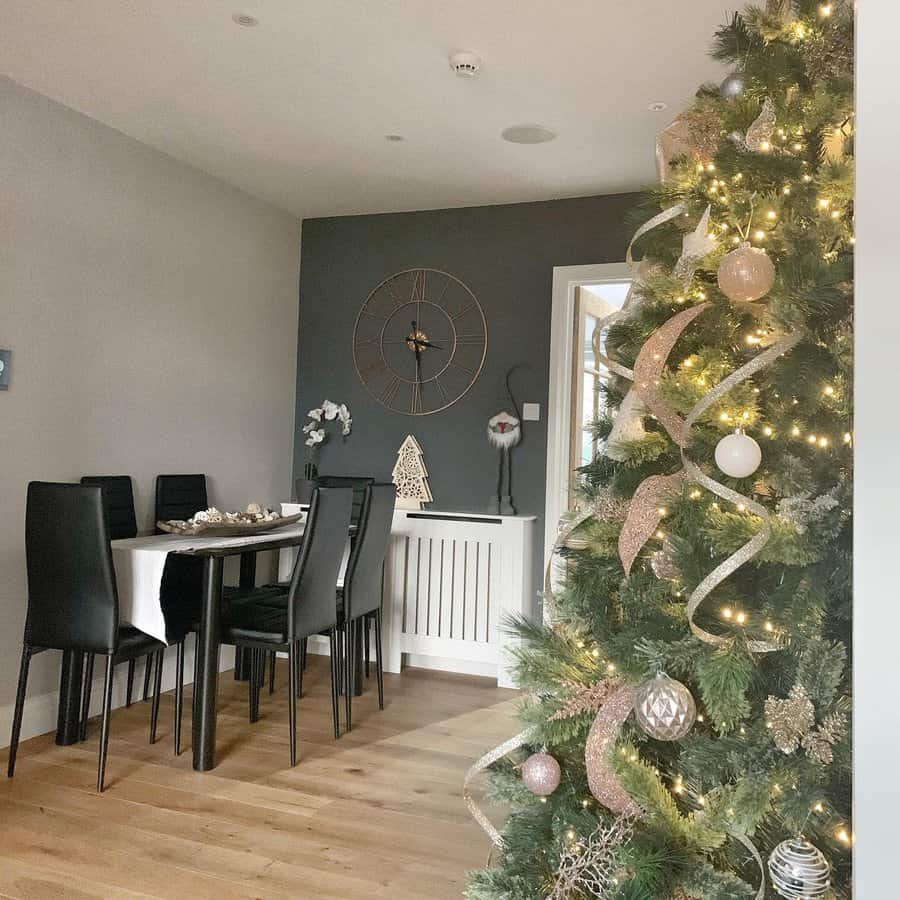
5,359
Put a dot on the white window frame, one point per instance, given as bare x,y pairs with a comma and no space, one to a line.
559,406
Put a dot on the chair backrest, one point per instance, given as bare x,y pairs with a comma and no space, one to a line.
72,599
358,484
312,605
362,580
118,502
179,497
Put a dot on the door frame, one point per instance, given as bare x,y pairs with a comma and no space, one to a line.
562,318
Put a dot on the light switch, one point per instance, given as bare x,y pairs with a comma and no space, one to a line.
531,412
4,369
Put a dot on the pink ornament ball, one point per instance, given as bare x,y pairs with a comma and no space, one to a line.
541,774
746,274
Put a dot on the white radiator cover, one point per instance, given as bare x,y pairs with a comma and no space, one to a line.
450,581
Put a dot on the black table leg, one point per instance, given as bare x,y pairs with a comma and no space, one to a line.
68,728
204,718
248,580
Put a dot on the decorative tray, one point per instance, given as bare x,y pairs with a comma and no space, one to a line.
212,523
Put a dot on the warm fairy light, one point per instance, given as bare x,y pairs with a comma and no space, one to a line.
741,507
595,653
835,214
741,618
786,189
771,214
743,730
688,363
579,645
585,804
660,534
724,417
701,801
770,626
797,146
767,431
824,203
823,441
765,146
679,299
735,240
695,495
727,613
843,836
699,169
699,718
828,389
570,834
701,295
795,431
738,176
611,667
662,511
819,808
825,10
710,167
812,439
847,437
751,339
807,178
799,31
543,799
759,234
679,786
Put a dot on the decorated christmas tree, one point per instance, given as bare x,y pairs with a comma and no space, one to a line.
686,715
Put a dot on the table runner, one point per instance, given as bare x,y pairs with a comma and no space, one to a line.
140,563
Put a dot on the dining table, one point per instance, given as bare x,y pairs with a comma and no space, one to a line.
139,564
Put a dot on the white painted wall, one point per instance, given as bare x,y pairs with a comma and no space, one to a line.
152,314
877,501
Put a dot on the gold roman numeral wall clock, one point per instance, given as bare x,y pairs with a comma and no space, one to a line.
419,341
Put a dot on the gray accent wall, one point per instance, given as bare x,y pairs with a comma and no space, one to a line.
151,311
506,255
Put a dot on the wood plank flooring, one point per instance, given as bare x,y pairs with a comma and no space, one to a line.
376,815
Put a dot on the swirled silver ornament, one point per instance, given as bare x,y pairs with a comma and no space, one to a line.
732,86
799,871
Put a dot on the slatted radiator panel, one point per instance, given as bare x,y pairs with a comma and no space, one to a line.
450,587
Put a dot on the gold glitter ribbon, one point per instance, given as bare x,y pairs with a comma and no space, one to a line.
479,766
760,539
598,750
644,514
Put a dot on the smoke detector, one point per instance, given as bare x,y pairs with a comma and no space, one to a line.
465,63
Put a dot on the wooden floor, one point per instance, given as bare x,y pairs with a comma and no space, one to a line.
377,814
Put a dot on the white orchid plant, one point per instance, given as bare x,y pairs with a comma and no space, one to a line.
315,432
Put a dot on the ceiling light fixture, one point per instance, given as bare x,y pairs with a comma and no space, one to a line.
465,63
657,106
245,20
527,134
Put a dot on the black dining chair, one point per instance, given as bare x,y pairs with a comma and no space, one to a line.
358,484
359,600
118,504
72,599
310,609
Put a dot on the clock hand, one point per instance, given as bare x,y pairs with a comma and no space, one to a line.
429,344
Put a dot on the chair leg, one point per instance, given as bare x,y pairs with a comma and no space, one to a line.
272,657
157,690
379,660
256,657
86,695
293,669
17,714
348,671
179,695
299,669
104,725
129,689
335,687
304,646
367,635
148,662
358,656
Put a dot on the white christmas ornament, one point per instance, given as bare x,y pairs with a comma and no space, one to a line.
738,455
746,274
411,476
541,774
665,709
799,871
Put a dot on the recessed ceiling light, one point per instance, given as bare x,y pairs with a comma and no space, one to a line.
394,138
657,106
465,63
527,134
245,19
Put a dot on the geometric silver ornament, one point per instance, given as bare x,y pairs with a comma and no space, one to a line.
665,709
799,871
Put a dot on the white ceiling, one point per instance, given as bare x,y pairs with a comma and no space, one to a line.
295,110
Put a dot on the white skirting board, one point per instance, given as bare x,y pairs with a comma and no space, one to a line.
40,712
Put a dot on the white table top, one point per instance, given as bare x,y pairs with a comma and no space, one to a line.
172,543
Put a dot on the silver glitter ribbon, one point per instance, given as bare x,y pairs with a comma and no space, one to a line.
479,766
751,849
760,539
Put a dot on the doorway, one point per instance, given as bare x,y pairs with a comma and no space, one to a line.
582,296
